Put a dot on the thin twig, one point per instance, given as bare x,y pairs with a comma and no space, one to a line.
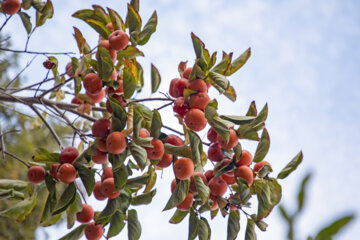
33,85
28,38
152,99
12,109
48,126
164,106
7,19
173,130
2,143
22,70
81,193
55,87
47,74
34,52
17,158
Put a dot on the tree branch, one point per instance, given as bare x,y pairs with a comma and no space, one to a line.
17,158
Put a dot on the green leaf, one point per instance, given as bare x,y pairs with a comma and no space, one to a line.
269,194
239,62
105,64
328,232
25,18
196,150
46,157
133,20
260,119
117,223
18,185
263,147
99,27
87,177
223,65
26,4
291,166
219,80
179,194
139,154
148,30
120,203
178,216
151,178
250,233
143,199
75,234
155,79
252,111
117,160
233,225
204,229
66,198
120,177
260,224
244,192
102,13
137,181
135,4
301,194
193,225
46,12
247,132
119,115
230,93
116,20
20,210
202,54
238,119
156,124
89,14
203,189
11,193
129,82
229,167
75,207
184,151
80,40
129,52
134,227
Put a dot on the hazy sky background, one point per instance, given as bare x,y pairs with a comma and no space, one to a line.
304,64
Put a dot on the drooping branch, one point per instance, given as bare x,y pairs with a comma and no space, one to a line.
35,52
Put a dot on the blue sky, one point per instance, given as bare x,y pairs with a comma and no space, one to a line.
304,64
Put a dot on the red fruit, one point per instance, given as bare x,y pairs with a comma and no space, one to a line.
209,174
233,140
187,203
214,152
229,177
101,128
120,89
215,204
259,165
246,159
174,140
118,40
54,169
86,214
173,185
165,161
183,168
245,173
100,157
108,188
97,192
93,232
66,173
193,188
110,26
195,119
199,100
102,145
186,73
157,151
180,106
179,87
107,173
115,143
68,155
69,70
75,100
118,98
97,97
212,135
197,85
171,88
217,186
10,6
112,52
36,174
92,83
144,133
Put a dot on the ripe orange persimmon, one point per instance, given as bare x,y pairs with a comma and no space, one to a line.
107,173
259,165
68,154
212,135
187,203
246,173
144,133
101,127
66,173
100,157
115,143
93,232
165,161
214,152
192,187
186,73
110,26
183,168
209,174
180,106
177,86
215,204
102,145
174,140
217,186
232,142
105,44
229,177
246,158
69,70
197,85
97,192
157,151
54,169
173,185
118,40
195,119
108,188
10,6
119,98
199,100
96,97
75,100
36,174
92,83
86,214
